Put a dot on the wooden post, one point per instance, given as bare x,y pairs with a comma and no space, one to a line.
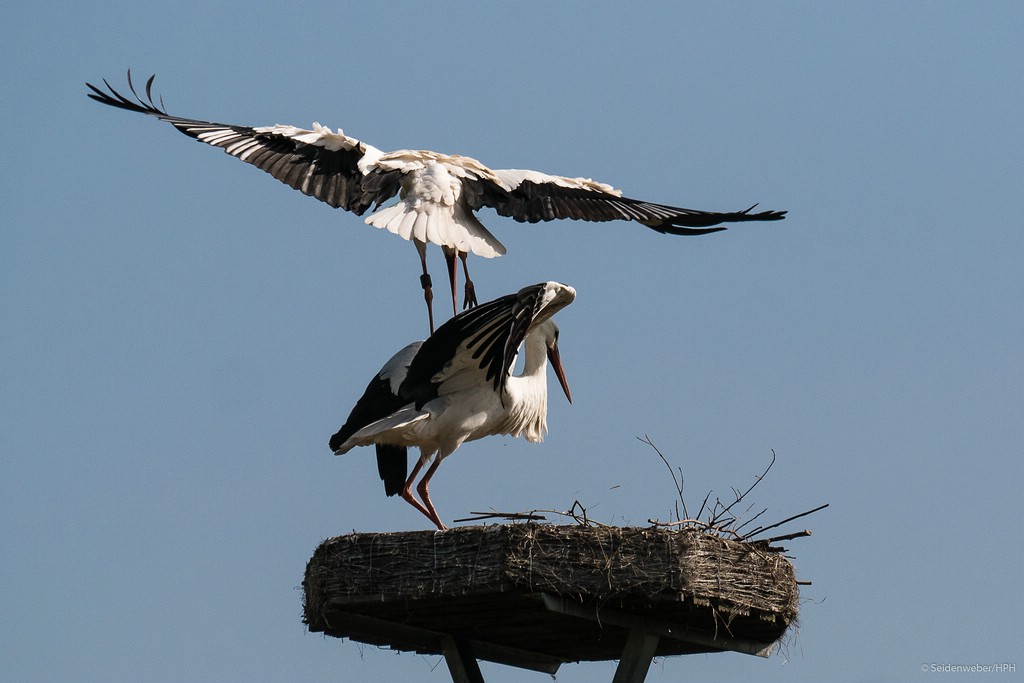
636,656
461,661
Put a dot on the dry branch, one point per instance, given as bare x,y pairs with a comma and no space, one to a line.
721,520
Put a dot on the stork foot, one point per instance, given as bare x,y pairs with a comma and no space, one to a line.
432,512
422,489
470,290
426,507
470,295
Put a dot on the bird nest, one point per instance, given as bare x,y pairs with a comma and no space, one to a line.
570,593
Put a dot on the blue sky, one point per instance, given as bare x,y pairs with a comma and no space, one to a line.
181,333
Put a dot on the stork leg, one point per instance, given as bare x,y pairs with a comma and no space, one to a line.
428,290
407,490
406,493
449,259
470,290
425,494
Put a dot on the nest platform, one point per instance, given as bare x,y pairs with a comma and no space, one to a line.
538,595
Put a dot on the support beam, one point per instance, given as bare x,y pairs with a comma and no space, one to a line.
461,661
636,656
659,627
406,637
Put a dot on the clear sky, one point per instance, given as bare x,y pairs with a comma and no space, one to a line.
180,334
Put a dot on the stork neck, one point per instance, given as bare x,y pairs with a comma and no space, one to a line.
536,361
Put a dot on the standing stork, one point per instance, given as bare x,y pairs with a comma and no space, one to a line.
458,386
437,193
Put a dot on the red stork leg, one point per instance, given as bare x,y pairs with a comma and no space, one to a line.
425,494
449,259
470,290
406,493
428,290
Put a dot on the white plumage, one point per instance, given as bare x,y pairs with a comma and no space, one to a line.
457,386
438,194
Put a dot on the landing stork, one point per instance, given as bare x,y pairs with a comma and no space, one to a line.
458,386
437,193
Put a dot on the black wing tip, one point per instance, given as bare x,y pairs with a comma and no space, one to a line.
113,98
762,216
694,224
680,230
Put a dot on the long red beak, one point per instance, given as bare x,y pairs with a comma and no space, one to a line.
556,363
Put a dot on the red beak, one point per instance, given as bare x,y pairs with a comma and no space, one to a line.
556,363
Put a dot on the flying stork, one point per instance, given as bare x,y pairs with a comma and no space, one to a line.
438,194
458,386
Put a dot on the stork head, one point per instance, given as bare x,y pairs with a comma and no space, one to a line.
554,298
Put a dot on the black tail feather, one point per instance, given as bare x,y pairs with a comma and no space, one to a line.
393,467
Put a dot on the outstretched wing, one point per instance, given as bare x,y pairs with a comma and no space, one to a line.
320,163
481,344
531,196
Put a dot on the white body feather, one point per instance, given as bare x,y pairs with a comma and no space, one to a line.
465,408
431,208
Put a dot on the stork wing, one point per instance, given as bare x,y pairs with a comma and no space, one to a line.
380,401
329,166
531,196
380,398
400,419
480,344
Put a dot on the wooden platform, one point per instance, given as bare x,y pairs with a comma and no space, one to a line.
535,596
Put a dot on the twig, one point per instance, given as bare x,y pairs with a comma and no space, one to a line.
751,519
787,537
762,529
677,482
678,522
704,504
527,516
577,512
721,518
757,481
